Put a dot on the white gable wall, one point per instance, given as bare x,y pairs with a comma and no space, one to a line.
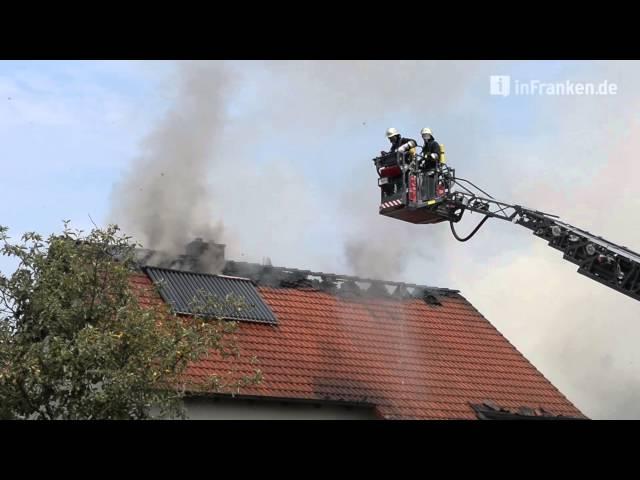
240,409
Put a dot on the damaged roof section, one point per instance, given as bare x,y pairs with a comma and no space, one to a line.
347,286
209,258
236,298
488,410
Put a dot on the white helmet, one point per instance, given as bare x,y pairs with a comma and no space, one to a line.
392,132
426,131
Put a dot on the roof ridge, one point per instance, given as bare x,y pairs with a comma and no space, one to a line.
330,277
340,277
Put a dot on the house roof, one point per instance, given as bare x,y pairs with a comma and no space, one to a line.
408,357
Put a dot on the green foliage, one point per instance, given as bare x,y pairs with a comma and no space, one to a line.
77,343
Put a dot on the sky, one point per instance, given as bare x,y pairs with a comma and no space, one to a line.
273,158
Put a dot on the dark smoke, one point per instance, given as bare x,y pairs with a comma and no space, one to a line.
164,201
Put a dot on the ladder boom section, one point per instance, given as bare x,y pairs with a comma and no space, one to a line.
605,262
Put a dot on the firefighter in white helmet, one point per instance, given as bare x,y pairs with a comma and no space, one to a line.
399,143
430,150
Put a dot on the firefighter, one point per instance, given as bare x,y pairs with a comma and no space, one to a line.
430,150
399,143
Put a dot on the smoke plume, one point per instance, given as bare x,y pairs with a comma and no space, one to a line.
165,200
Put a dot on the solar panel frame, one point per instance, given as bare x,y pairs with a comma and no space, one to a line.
179,289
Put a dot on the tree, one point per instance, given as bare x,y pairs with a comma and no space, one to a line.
77,343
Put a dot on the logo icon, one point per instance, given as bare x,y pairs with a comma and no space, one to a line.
500,85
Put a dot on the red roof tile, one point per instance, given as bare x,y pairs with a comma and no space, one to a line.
409,359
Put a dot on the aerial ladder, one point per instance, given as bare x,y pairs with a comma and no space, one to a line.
421,196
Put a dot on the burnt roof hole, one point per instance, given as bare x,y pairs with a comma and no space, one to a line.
430,298
401,292
378,289
329,284
529,412
350,288
296,280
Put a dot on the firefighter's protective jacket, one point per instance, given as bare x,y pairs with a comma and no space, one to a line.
428,148
411,148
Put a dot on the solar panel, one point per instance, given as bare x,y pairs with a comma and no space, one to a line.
184,291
